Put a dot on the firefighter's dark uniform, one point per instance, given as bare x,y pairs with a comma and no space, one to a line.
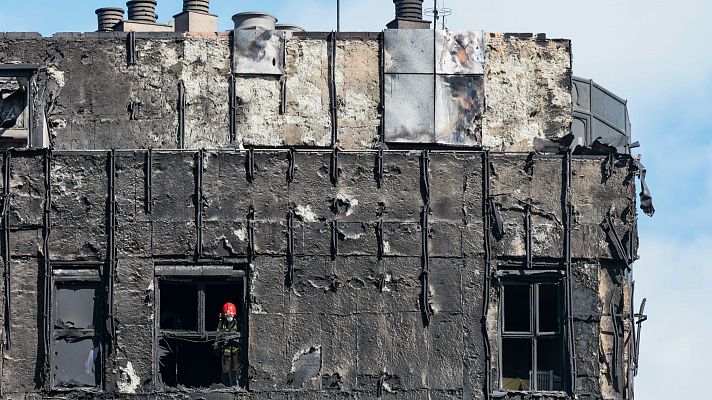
229,350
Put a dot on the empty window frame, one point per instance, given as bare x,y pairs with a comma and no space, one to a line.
188,340
532,346
15,101
75,329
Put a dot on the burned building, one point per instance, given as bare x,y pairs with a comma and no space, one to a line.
406,214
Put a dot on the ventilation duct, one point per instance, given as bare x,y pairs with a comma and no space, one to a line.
108,18
198,6
409,15
288,27
409,9
142,11
254,20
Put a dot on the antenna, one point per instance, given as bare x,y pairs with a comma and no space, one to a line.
437,12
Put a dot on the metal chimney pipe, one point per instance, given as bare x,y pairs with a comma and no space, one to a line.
254,20
199,6
142,11
108,18
409,9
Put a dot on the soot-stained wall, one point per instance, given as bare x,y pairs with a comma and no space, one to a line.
357,301
96,91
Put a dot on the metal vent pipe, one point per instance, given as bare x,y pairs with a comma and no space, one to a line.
254,20
142,11
199,6
409,9
108,18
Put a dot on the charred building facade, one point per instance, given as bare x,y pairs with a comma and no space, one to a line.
408,214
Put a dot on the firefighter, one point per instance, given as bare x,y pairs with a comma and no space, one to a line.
227,345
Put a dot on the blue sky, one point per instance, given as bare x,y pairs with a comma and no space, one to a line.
652,52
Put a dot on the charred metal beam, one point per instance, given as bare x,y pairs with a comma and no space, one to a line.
568,215
379,168
283,96
251,234
46,231
616,342
333,103
425,308
334,239
289,279
334,166
250,164
291,159
131,49
646,198
528,233
379,238
487,204
641,318
181,114
200,203
232,101
495,217
609,227
149,181
111,248
6,246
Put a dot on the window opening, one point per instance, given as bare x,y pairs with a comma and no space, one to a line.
532,352
197,346
76,342
15,98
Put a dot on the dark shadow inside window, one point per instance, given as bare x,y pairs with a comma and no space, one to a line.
549,315
549,364
75,306
188,363
517,315
516,363
76,362
216,295
179,306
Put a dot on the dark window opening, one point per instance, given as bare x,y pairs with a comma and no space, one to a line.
192,343
179,306
14,110
516,364
517,308
191,364
532,346
215,296
76,315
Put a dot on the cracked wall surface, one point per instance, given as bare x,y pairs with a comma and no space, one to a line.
88,96
351,321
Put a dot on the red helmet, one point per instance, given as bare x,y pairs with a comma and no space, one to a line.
229,310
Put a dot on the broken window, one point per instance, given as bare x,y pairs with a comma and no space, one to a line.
532,345
14,105
76,317
191,343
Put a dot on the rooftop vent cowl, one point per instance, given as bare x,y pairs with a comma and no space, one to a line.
409,15
108,18
254,20
142,11
198,6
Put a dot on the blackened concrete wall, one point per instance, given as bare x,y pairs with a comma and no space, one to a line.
361,307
